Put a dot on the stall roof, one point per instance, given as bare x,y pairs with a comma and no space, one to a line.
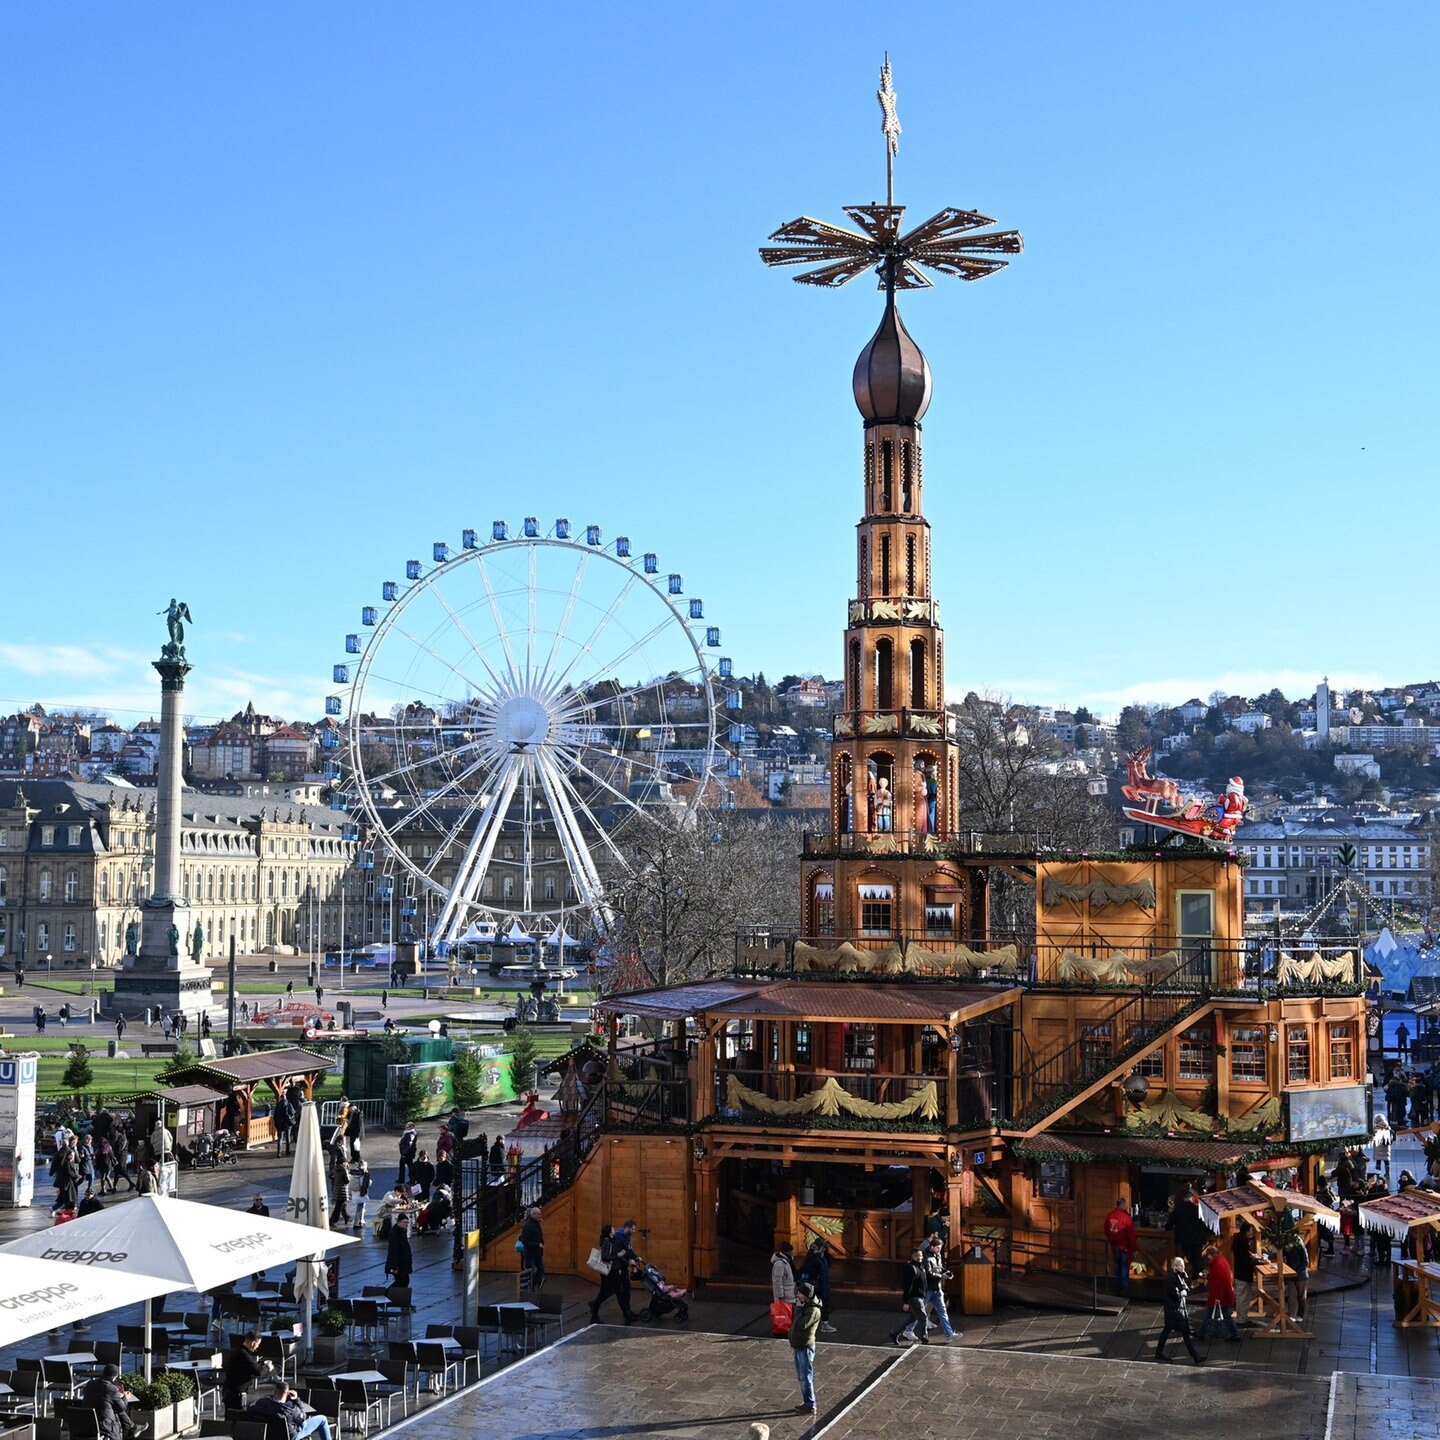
1203,1154
1245,1199
678,1002
186,1094
870,1000
262,1065
1397,1215
819,1000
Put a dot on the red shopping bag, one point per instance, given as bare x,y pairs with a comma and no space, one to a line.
782,1313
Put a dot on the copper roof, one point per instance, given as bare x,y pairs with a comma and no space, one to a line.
677,1002
866,1001
869,1000
262,1065
1205,1154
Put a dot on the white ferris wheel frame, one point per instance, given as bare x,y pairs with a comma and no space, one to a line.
516,763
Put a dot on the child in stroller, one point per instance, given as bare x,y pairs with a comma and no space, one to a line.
663,1297
434,1215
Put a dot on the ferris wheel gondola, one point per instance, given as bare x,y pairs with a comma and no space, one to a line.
510,708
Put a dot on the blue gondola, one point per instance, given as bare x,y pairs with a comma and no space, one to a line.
733,700
675,586
532,527
441,551
412,570
652,564
365,860
333,706
389,590
369,614
499,530
341,674
469,540
592,534
737,732
733,768
622,546
329,740
562,529
712,635
727,665
697,609
352,645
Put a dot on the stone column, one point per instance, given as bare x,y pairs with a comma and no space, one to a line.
167,904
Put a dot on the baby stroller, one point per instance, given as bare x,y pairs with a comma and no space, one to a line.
663,1297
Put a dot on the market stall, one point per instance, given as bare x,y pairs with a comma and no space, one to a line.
1406,1217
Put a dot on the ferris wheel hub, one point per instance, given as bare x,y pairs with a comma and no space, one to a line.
522,720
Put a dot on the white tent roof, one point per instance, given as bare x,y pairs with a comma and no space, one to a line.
558,937
516,936
40,1295
190,1245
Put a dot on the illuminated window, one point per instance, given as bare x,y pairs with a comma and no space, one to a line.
1197,1053
1342,1051
1247,1054
1297,1053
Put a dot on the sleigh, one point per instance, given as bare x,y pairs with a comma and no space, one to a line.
1204,825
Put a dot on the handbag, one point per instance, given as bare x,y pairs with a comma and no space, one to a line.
597,1263
782,1318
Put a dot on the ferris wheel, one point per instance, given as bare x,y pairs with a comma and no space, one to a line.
509,709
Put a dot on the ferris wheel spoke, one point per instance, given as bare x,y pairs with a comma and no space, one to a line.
478,854
402,686
634,648
435,655
495,615
460,625
530,630
423,761
450,788
562,628
562,801
604,784
599,628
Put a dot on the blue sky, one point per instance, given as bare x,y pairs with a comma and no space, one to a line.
292,292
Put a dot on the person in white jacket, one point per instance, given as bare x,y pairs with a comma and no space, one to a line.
782,1273
1380,1144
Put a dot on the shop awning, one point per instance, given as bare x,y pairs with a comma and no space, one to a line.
1247,1199
1398,1215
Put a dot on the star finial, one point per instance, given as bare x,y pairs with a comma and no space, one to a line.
889,127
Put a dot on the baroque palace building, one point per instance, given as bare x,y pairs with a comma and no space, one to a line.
76,861
896,1058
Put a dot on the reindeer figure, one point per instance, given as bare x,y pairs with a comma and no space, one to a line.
1147,789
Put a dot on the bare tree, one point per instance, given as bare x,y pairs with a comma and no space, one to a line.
694,881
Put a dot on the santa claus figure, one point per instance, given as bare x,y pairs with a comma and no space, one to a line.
1233,806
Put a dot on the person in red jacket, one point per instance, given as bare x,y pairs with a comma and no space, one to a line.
1121,1238
1219,1296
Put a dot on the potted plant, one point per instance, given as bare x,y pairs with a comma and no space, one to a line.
330,1347
166,1401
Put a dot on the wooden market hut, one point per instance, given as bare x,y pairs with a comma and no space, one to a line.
256,1081
188,1110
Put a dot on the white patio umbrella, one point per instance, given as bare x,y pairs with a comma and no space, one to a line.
191,1246
309,1207
41,1295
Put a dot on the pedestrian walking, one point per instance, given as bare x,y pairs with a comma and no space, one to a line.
354,1132
64,1013
804,1329
1219,1296
362,1194
936,1274
1402,1039
119,1029
384,999
615,1252
782,1273
340,1188
244,1012
1380,1144
815,1271
1176,1311
409,1145
399,1260
912,1301
1244,1270
532,1248
319,995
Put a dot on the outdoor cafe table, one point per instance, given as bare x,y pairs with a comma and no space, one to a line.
370,1377
73,1357
1425,1312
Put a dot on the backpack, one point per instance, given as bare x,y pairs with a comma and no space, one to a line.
409,1141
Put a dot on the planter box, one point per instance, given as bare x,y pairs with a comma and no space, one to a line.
331,1349
172,1420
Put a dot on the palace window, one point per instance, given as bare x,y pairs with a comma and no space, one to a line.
104,886
73,834
4,882
47,834
549,887
72,886
1197,1053
1342,1051
42,936
1297,1054
67,938
1247,1054
47,884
